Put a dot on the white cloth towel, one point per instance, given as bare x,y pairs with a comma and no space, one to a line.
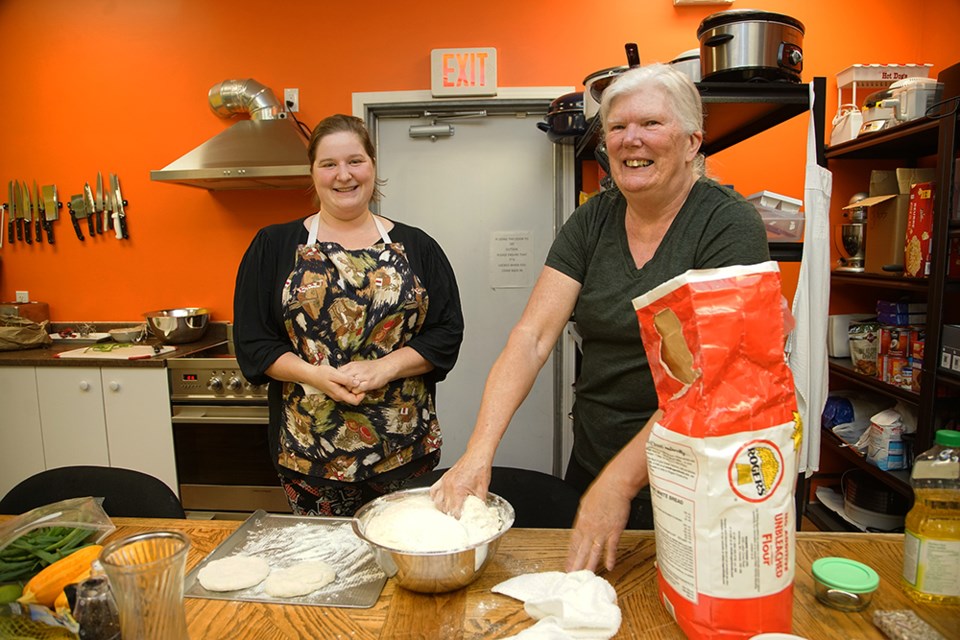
566,605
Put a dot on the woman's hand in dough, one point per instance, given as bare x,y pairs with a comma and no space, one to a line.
467,477
601,518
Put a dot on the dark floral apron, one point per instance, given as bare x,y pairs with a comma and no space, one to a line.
343,305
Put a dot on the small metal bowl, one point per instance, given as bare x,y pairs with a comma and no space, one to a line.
128,334
178,326
432,571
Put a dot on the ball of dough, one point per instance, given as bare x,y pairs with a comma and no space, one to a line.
299,579
233,573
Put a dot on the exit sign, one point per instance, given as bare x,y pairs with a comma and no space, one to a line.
463,72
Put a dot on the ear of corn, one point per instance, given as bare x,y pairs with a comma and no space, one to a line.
46,586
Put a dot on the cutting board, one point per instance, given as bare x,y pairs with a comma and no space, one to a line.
116,351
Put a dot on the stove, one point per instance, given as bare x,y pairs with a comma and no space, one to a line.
220,437
212,375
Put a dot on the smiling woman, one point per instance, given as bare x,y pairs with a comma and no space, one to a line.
661,219
352,318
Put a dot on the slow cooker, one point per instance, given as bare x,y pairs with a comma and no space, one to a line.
750,45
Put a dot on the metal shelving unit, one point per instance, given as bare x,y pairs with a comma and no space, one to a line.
938,401
736,111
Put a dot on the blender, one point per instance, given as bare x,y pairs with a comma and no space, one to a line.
851,236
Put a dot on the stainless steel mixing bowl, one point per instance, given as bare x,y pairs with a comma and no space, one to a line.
178,326
431,571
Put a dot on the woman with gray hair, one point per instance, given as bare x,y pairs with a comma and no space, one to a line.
662,218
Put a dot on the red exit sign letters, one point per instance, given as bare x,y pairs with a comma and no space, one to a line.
463,72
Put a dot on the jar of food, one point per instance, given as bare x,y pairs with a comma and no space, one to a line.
844,584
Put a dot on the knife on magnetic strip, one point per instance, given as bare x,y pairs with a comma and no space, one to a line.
50,209
36,205
119,203
76,208
103,218
24,204
90,208
12,212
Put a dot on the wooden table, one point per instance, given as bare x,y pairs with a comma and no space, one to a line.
475,612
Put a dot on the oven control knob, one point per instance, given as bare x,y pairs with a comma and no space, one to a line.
215,384
234,383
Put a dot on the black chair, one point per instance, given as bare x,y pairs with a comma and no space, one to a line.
540,500
127,493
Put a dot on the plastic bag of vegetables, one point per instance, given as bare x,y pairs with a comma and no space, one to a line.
38,538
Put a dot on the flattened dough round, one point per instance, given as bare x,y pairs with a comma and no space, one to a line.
299,579
233,573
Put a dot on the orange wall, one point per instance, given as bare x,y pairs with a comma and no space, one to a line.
121,87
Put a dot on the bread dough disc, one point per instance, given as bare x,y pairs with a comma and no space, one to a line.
299,579
233,573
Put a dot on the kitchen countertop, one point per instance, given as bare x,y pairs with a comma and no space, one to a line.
475,612
46,356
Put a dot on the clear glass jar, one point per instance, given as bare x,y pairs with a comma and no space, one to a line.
96,610
844,584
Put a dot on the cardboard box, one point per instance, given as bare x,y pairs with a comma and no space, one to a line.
36,311
891,306
916,259
887,208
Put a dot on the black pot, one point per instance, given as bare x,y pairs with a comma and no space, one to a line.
564,121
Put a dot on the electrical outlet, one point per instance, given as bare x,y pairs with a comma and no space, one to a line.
291,100
23,296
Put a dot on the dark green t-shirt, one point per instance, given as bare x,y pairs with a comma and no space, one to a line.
615,395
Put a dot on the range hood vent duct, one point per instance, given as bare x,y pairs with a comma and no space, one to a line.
266,151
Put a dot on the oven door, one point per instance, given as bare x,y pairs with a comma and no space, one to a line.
223,459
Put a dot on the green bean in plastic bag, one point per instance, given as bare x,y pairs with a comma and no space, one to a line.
40,537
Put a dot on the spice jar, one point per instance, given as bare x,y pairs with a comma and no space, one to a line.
844,584
96,611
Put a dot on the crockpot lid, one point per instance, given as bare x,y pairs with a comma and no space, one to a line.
611,71
745,15
691,54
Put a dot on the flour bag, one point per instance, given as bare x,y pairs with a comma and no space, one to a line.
723,457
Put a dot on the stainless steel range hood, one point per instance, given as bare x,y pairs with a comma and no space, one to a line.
266,151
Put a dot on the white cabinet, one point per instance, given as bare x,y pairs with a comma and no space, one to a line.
116,417
136,405
21,443
71,416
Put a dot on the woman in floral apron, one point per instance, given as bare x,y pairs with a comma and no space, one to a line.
352,318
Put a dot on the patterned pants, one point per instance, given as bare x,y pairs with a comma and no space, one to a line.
343,499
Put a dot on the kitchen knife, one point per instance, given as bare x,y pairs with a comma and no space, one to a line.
51,208
37,211
42,220
90,208
11,206
19,208
27,214
76,206
120,202
98,204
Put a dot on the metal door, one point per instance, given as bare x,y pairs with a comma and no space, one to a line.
492,195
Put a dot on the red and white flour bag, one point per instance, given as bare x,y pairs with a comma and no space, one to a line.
723,457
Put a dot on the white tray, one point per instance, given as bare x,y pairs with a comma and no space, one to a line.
90,337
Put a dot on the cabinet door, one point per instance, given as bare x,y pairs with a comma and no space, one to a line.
21,441
71,412
139,428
